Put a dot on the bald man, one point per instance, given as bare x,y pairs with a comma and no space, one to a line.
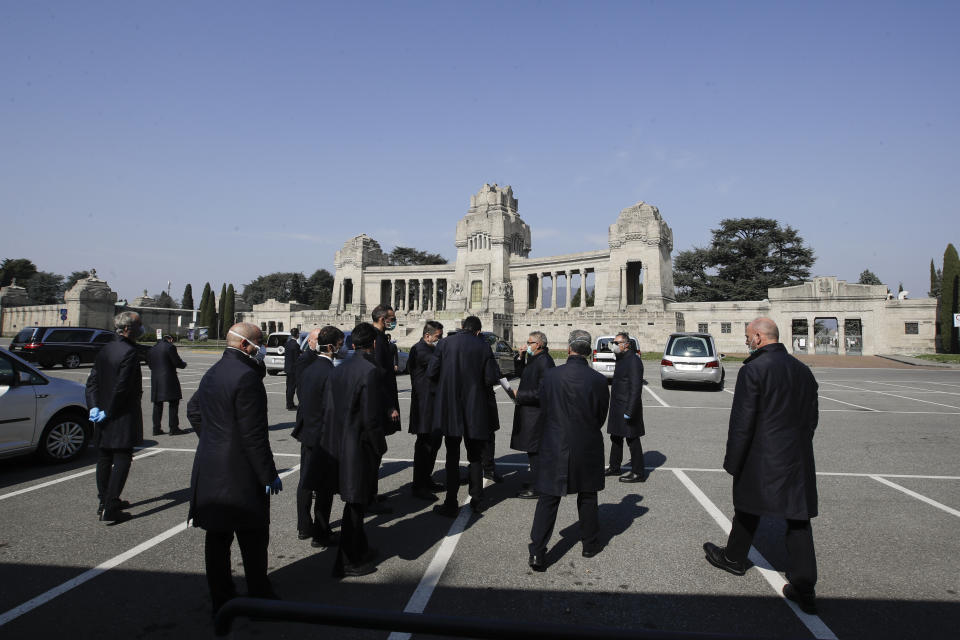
233,470
770,456
307,358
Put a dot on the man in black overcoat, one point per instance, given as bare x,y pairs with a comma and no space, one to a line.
770,456
233,470
532,364
626,410
573,405
385,319
307,357
163,360
353,434
291,353
114,391
464,372
421,413
316,487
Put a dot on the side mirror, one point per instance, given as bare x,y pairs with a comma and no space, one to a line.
722,356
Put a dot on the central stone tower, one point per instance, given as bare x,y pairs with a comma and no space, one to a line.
487,237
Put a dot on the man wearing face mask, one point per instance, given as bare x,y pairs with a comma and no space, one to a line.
626,409
233,470
532,364
770,456
385,319
114,389
353,434
421,413
316,486
307,358
291,353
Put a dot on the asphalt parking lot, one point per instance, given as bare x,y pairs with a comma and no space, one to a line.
888,458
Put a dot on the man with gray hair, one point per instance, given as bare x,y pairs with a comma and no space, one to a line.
114,389
573,406
531,365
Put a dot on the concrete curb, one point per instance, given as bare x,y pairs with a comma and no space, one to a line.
918,362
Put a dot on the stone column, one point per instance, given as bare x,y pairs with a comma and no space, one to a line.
390,299
566,301
433,296
539,292
583,288
553,290
623,287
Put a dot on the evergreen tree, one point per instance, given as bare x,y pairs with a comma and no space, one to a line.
73,278
206,307
20,269
187,297
949,294
226,318
164,300
868,277
220,304
936,276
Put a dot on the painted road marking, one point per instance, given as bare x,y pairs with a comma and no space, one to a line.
894,395
817,627
655,396
914,494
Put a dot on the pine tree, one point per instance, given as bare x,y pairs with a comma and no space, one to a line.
187,302
949,294
226,318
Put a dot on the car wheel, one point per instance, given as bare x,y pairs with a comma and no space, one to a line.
72,361
280,351
666,384
64,438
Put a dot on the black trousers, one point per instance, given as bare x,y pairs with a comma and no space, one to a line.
532,460
173,420
545,518
320,499
803,558
474,456
353,540
253,550
291,388
113,467
488,454
636,453
425,457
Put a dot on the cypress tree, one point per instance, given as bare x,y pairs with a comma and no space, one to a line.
935,277
226,319
187,302
949,294
203,318
220,304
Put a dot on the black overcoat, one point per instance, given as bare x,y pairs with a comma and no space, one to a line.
291,352
115,385
421,401
770,438
384,356
353,426
526,415
573,402
163,360
626,397
233,463
311,383
307,358
464,372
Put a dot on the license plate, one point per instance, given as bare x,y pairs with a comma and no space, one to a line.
688,367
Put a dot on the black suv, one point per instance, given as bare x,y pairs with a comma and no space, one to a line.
69,346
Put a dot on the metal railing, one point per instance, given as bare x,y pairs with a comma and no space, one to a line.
461,627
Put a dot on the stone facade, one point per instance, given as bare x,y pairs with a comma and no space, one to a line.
627,285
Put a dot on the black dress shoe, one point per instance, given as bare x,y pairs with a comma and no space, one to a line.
477,505
435,486
177,432
291,407
115,516
589,552
537,562
303,535
493,476
717,557
806,601
612,471
633,477
123,505
355,570
528,494
319,542
447,510
157,432
423,494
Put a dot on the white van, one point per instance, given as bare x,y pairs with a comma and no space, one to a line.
603,359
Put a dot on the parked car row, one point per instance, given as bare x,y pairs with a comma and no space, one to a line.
687,357
69,346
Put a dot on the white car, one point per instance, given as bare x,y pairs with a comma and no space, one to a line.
46,416
603,359
276,347
691,357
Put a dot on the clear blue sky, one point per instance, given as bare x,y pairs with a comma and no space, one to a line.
219,141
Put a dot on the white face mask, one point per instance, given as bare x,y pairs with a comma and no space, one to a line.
614,348
261,350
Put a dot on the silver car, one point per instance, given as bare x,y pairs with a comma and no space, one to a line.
46,416
691,357
276,346
603,359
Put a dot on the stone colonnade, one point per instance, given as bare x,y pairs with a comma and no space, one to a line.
427,298
568,274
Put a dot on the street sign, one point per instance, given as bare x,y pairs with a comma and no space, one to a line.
956,319
159,334
63,315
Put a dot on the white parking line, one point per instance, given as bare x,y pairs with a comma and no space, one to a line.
894,395
920,389
817,627
70,477
103,567
914,494
655,396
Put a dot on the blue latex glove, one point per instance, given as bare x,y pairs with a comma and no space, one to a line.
97,415
101,416
274,487
626,417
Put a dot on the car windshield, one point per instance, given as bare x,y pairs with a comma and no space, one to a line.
689,346
603,344
24,336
